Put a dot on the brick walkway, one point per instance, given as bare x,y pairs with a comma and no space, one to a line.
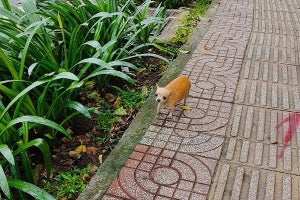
245,76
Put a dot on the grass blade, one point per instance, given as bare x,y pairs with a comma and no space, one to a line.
5,151
63,75
37,120
42,146
6,4
4,184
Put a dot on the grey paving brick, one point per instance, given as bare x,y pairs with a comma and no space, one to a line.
241,182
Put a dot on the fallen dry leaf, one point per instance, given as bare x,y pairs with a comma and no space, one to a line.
67,162
84,138
117,102
65,140
186,108
92,150
86,178
207,47
74,154
109,97
100,158
93,169
80,148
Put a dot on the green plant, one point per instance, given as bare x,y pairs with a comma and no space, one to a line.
16,130
68,184
188,24
110,32
131,99
48,51
107,120
9,161
170,4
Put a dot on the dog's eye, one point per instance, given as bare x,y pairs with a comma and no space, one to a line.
156,95
164,98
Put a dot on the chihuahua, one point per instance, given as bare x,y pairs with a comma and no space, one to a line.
173,93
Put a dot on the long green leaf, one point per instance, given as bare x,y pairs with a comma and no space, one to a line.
112,72
5,151
38,120
62,75
8,63
30,189
6,4
4,184
43,147
30,9
36,25
79,108
96,61
58,98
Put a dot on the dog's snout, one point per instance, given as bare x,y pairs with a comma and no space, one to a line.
158,100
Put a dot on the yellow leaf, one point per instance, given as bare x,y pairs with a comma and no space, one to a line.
184,51
74,154
207,47
186,108
81,148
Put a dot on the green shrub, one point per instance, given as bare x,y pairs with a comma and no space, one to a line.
48,51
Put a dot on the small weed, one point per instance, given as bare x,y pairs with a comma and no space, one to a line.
68,185
107,119
114,114
132,99
187,26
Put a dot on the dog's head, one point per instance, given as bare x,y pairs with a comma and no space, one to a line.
162,94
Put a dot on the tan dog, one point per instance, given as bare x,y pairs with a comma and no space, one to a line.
173,93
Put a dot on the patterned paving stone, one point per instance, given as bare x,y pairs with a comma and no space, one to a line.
155,173
213,78
198,132
272,85
205,116
258,124
265,156
177,158
242,182
185,141
244,75
267,92
245,80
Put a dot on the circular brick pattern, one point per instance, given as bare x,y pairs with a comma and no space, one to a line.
165,176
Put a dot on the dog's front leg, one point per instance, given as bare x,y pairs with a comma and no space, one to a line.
158,108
